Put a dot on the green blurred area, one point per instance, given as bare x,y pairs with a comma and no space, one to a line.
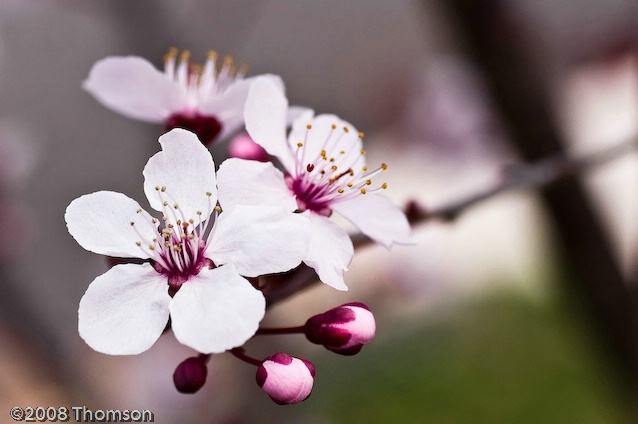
504,358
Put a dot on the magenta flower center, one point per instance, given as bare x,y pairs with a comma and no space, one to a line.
206,127
177,250
332,171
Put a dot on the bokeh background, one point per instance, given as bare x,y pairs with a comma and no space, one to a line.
487,319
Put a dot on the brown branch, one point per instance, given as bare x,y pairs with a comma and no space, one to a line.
521,176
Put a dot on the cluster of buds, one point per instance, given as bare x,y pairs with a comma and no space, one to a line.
287,379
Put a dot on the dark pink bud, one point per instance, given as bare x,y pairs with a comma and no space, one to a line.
286,379
344,329
190,375
243,147
206,127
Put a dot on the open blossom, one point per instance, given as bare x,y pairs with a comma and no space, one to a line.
325,172
196,258
207,100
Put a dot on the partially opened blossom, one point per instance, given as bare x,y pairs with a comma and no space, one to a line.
325,172
194,269
208,100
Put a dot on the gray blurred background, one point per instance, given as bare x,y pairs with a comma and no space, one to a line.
474,322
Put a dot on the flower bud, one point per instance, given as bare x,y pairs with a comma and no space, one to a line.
343,330
243,147
286,379
190,375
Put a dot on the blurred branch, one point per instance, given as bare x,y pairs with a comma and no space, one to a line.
498,43
520,176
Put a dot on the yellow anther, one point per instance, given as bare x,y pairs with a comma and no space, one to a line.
365,168
212,55
340,190
384,186
179,222
157,188
334,167
343,152
349,185
185,56
363,151
384,166
351,173
322,172
151,247
363,191
346,129
309,126
176,206
196,69
299,144
361,135
228,60
368,182
218,208
138,243
198,212
192,221
334,126
331,180
170,54
208,193
165,203
332,159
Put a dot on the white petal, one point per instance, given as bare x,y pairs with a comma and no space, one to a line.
216,310
330,251
321,136
266,113
133,87
298,112
228,107
247,182
124,310
185,167
259,240
378,218
101,223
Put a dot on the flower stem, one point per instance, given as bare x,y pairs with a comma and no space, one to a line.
282,330
238,352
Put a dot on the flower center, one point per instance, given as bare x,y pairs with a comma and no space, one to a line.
178,244
335,172
205,126
199,84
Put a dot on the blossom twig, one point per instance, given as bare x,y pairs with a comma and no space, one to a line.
519,176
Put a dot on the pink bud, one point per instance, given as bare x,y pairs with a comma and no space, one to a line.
243,147
190,375
286,379
344,329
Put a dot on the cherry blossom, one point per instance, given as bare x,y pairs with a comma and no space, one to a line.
196,257
208,100
325,172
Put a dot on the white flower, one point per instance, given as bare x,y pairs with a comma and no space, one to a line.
193,270
325,172
207,100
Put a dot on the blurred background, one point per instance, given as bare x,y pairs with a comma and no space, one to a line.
523,309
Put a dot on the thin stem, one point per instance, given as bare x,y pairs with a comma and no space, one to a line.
283,330
238,352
